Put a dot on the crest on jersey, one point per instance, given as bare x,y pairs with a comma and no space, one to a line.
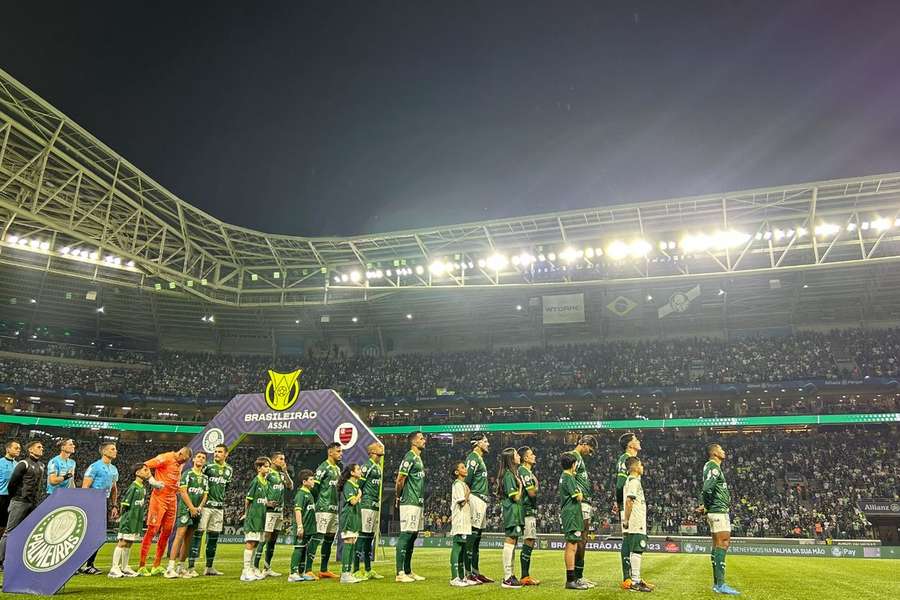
283,389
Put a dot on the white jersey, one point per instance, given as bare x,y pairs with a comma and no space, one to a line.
460,516
637,523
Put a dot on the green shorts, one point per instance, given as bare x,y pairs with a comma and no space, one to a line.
573,536
514,531
635,542
185,519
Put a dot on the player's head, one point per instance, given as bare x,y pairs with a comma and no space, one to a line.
629,440
634,465
527,456
480,441
262,465
220,453
416,439
278,460
459,471
307,478
109,450
335,451
141,471
13,448
566,461
35,448
184,455
200,460
714,450
586,445
375,450
66,446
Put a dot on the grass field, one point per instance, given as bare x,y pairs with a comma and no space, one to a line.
675,575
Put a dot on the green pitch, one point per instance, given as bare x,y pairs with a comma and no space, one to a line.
676,576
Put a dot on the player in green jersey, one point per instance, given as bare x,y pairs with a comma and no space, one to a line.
631,445
254,517
212,518
371,511
351,519
410,490
529,508
131,522
570,498
305,526
326,494
509,488
716,503
586,446
279,481
634,523
477,480
192,489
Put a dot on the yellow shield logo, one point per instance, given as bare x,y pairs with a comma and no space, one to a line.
283,389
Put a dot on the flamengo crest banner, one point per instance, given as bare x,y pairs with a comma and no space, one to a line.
50,545
285,408
566,308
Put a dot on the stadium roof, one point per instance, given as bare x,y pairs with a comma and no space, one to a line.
78,218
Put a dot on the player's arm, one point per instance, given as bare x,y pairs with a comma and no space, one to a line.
288,482
530,484
317,484
53,476
113,497
629,504
512,486
298,518
88,479
470,473
15,478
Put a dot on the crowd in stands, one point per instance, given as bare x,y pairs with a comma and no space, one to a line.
783,484
837,354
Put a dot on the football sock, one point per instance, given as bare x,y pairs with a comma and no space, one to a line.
212,540
326,550
525,559
635,567
402,548
311,551
509,551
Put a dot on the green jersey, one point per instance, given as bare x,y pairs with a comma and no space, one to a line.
326,491
413,469
569,505
276,490
196,486
351,514
621,478
529,483
307,505
477,475
371,485
716,497
258,496
511,504
581,476
219,478
133,508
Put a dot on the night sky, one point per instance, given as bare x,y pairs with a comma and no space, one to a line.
333,118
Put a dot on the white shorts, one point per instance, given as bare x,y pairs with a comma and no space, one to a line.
349,535
326,523
130,537
718,522
530,529
212,519
369,520
586,511
253,536
274,522
479,511
412,518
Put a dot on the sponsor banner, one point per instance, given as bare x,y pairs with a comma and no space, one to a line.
283,408
880,507
50,545
564,308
